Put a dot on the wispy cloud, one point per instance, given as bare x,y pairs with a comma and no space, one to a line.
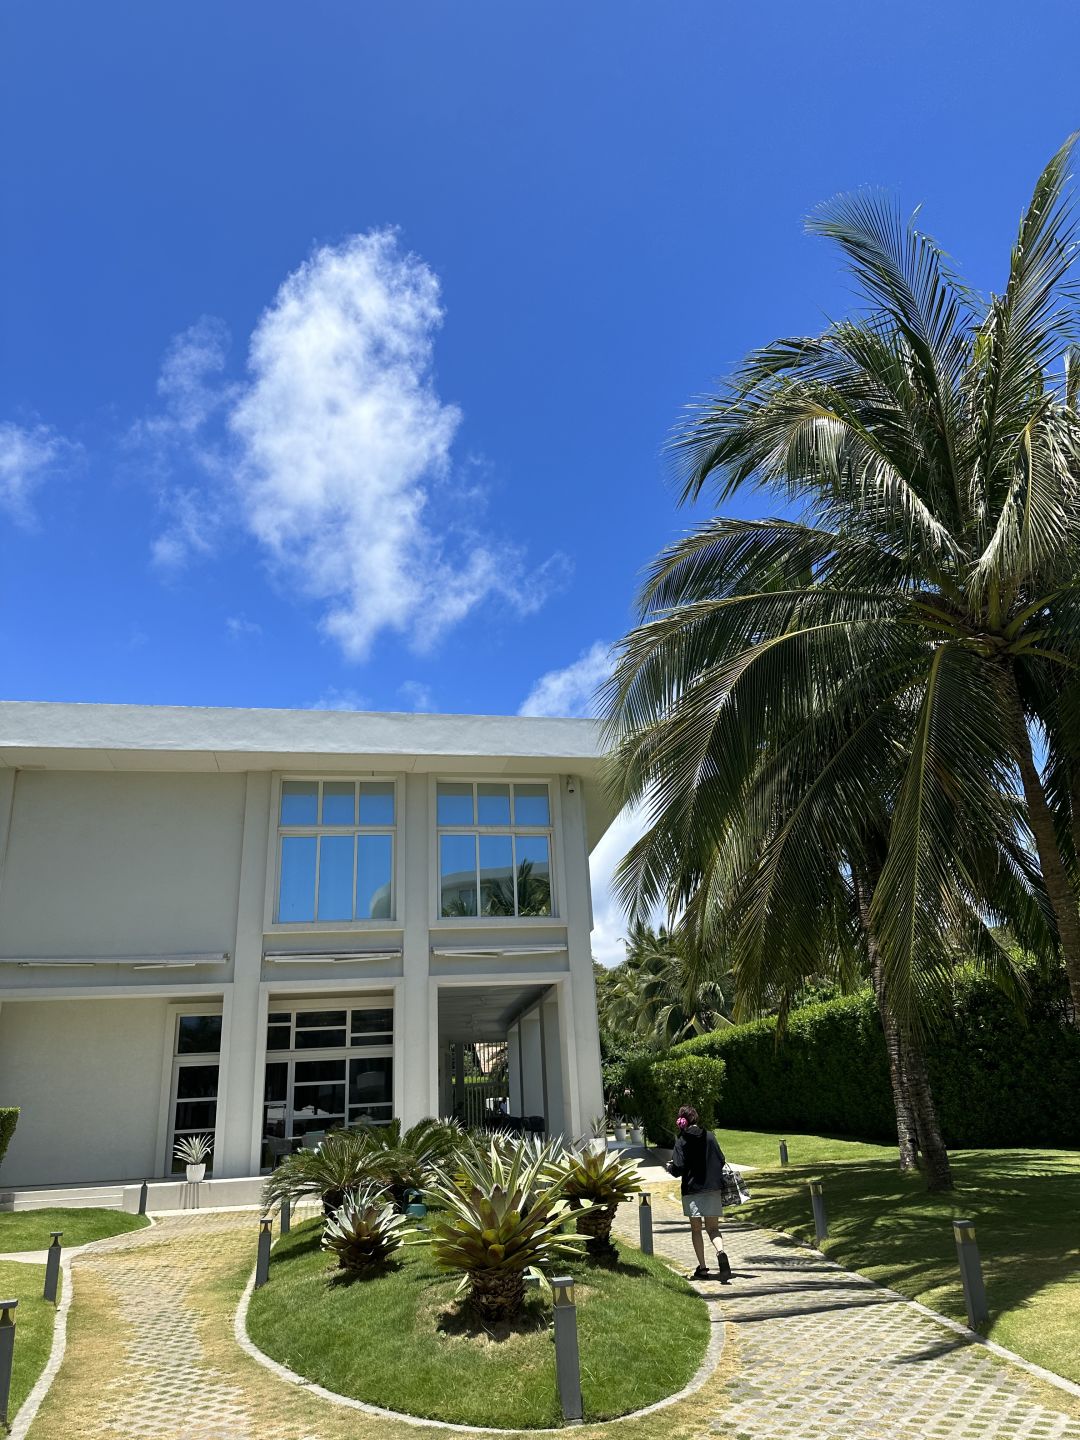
334,452
609,917
572,690
28,454
239,627
335,699
417,696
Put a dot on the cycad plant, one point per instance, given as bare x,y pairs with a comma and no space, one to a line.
403,1161
830,713
597,1181
498,1211
365,1229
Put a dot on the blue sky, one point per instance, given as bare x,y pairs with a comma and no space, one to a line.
340,341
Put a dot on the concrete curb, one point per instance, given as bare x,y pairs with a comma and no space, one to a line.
710,1360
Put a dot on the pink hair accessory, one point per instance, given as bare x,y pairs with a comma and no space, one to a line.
682,1122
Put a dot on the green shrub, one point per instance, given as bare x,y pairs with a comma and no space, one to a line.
658,1086
9,1115
998,1072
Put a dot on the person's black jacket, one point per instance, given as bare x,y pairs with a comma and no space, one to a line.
698,1160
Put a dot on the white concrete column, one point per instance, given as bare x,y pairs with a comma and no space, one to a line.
417,1057
532,1065
582,1000
240,1077
513,1061
459,1075
559,1118
7,805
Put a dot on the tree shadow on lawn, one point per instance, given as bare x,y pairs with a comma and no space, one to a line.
339,1279
460,1321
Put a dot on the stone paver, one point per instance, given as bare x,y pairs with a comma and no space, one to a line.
823,1354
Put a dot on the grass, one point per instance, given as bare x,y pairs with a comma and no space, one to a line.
885,1225
401,1340
761,1148
29,1229
33,1326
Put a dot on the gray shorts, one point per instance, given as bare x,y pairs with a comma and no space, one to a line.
705,1205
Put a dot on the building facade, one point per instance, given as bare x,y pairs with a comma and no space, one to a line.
262,925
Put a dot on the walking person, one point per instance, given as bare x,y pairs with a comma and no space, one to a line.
698,1162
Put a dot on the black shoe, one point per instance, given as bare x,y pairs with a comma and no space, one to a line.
723,1266
701,1273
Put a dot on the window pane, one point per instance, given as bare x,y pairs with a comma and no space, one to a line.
296,894
277,1081
493,804
336,877
455,805
314,1071
318,1100
299,802
531,805
533,875
277,1037
371,1115
319,1018
198,1035
196,1082
496,875
310,1120
372,1027
319,1039
374,869
457,874
338,802
371,1081
199,1115
376,802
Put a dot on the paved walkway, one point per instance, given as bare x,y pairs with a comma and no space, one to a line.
824,1354
810,1353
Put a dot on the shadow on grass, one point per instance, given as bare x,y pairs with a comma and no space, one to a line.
462,1322
338,1278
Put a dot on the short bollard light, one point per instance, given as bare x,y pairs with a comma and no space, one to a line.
144,1191
262,1262
817,1200
7,1354
567,1360
644,1220
967,1252
52,1267
783,1152
285,1217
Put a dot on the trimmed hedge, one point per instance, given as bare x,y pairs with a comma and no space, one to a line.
1000,1076
659,1087
9,1115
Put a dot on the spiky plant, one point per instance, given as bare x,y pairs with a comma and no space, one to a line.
365,1229
501,1212
327,1173
599,1180
404,1161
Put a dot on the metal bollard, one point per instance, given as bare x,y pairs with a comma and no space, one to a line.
262,1262
7,1354
144,1191
783,1152
285,1217
967,1252
52,1267
817,1200
567,1360
644,1220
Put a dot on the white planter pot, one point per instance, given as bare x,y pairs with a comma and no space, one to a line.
195,1173
637,1135
620,1132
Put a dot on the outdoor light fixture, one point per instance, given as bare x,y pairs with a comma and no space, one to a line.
562,1290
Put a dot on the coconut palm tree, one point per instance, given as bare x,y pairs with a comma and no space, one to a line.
872,666
665,991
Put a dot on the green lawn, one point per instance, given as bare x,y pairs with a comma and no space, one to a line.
30,1229
761,1148
33,1326
1025,1205
398,1339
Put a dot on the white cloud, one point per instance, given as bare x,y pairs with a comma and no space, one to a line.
239,627
417,696
571,691
335,452
27,455
609,918
335,699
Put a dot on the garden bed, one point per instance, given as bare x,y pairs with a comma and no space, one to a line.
33,1326
30,1229
401,1340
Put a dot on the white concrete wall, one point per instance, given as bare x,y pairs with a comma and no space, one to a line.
86,1075
104,864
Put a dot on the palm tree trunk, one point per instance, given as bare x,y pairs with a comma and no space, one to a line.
917,1084
1059,887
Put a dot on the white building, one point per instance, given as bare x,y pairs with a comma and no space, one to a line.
260,923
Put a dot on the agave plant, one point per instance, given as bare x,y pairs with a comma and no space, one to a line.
600,1180
194,1149
501,1212
365,1229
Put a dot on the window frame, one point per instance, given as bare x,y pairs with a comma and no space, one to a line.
271,924
550,830
174,1062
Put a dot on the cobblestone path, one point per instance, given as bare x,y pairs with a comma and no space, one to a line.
821,1354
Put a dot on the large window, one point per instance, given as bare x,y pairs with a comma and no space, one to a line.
196,1047
335,851
325,1070
494,848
